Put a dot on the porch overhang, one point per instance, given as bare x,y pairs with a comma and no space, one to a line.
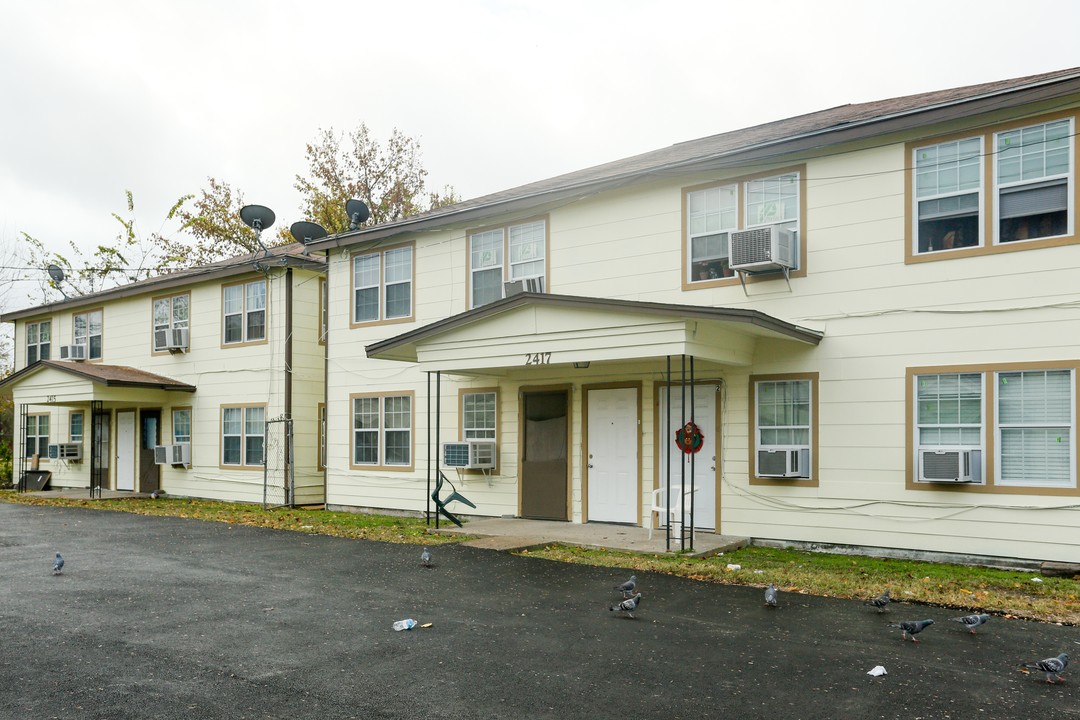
537,328
60,382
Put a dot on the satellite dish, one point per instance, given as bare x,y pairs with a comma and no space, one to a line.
56,273
305,232
257,217
358,213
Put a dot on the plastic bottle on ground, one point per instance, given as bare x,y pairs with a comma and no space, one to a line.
408,624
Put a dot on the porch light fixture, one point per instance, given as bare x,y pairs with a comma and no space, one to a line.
581,365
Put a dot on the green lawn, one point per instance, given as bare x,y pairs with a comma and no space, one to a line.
964,588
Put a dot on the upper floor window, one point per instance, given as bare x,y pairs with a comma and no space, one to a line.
514,253
86,331
382,285
324,310
170,313
382,430
955,203
38,341
1033,177
322,436
948,187
244,312
713,213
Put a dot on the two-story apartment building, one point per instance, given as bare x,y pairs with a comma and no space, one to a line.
868,319
195,362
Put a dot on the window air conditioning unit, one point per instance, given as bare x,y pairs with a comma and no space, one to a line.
763,249
177,340
161,339
72,352
950,465
69,451
514,287
469,454
179,454
54,452
784,462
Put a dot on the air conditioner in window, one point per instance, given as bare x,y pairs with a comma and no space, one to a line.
950,465
532,285
469,454
72,352
69,451
53,452
784,462
762,249
177,340
161,339
179,454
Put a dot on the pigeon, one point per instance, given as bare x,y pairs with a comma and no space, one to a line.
912,628
58,565
425,558
971,621
1053,667
157,493
770,595
880,601
628,605
627,588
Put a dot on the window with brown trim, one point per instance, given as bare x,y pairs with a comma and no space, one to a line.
382,431
1006,187
324,309
713,212
514,253
243,429
37,436
38,341
171,313
382,285
783,427
87,331
243,309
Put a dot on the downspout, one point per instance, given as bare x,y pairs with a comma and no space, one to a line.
291,494
326,379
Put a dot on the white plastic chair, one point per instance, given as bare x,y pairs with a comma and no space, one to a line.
674,510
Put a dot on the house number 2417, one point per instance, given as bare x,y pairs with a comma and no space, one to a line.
543,358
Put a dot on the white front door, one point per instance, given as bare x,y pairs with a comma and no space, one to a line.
125,450
613,455
705,460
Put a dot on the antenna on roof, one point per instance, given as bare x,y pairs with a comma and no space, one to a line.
305,232
258,218
56,273
358,213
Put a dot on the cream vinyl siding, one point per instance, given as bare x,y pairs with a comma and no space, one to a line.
880,316
231,375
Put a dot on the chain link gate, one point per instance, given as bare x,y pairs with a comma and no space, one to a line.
279,480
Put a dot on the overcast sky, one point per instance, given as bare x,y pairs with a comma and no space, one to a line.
102,96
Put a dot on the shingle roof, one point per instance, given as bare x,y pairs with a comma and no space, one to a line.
825,127
108,375
291,254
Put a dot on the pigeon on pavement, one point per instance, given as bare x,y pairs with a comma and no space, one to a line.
770,595
1053,667
425,558
627,588
880,601
58,565
628,605
971,621
912,628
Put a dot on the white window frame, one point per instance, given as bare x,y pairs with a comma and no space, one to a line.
489,259
179,438
86,337
520,248
808,427
387,420
73,436
249,306
391,269
251,434
470,429
709,217
34,341
1018,228
952,163
1060,430
41,442
170,321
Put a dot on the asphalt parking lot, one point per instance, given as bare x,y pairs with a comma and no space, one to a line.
171,618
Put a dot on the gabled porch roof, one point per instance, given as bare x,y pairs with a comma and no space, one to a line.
537,328
61,382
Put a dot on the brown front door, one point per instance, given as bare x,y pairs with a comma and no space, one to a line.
544,458
149,436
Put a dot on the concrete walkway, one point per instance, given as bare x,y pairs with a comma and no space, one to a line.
509,534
